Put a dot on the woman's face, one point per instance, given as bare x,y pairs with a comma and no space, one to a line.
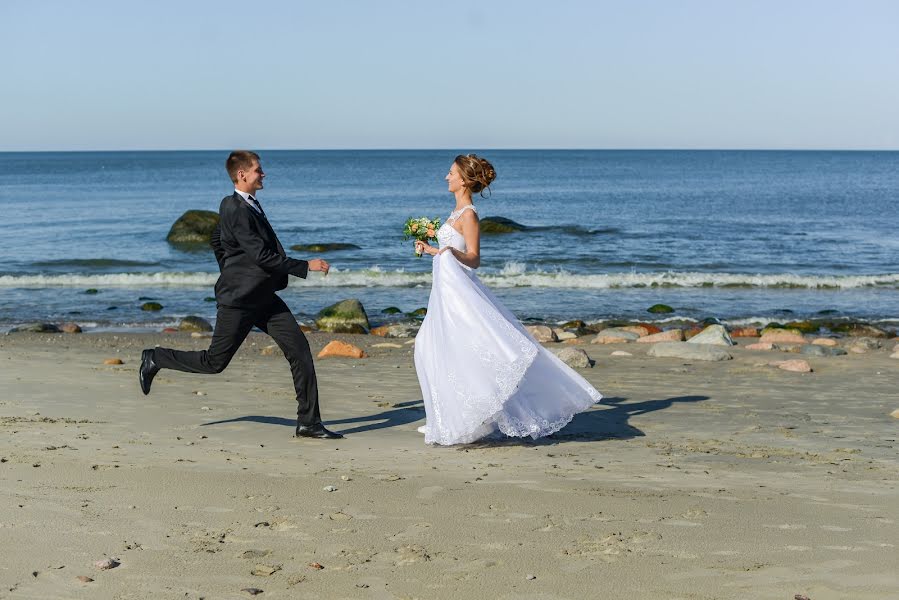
454,179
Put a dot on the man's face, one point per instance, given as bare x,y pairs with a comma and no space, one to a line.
251,178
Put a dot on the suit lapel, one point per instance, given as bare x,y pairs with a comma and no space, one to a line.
264,220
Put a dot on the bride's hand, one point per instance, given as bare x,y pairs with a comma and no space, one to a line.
425,248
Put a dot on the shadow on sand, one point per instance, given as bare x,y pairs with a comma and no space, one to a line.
400,414
607,421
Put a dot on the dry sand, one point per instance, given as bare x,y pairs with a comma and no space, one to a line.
699,481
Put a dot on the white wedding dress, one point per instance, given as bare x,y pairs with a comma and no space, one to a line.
479,369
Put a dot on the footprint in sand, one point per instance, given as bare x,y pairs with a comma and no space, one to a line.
428,493
614,545
413,532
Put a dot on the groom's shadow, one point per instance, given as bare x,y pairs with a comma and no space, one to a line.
608,420
401,414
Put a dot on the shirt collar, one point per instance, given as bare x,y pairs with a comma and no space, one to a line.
245,195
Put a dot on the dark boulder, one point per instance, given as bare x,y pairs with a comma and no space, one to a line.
660,309
347,316
192,323
193,227
500,225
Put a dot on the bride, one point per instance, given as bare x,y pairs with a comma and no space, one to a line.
480,371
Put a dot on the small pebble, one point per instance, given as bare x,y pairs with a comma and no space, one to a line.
252,591
345,478
107,563
329,488
84,579
113,361
199,393
205,408
317,566
531,577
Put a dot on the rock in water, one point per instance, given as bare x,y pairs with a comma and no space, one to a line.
715,335
193,227
341,349
347,316
687,351
860,330
151,306
499,225
576,358
70,328
660,309
192,323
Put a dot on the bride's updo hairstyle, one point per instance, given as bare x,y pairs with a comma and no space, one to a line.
477,173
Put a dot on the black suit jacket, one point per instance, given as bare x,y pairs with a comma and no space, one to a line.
252,261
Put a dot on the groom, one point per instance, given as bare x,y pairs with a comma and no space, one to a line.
253,267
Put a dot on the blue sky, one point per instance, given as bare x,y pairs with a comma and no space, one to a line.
99,74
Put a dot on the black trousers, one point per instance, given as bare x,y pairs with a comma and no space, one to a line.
232,325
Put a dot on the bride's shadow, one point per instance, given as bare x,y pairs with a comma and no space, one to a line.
607,421
401,414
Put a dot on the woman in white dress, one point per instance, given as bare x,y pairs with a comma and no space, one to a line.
479,369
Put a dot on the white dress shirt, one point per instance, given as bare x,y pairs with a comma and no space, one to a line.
250,200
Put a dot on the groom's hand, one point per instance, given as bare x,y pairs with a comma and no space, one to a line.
317,264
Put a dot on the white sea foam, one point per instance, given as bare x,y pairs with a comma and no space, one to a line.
512,275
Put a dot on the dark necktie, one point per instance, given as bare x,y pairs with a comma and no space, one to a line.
255,203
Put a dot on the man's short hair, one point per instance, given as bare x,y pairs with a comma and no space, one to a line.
239,160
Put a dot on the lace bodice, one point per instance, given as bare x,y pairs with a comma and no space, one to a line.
447,235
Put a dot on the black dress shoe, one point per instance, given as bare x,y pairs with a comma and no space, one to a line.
148,370
317,431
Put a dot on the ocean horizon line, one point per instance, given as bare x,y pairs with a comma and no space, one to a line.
453,149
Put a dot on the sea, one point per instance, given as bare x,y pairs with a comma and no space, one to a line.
739,236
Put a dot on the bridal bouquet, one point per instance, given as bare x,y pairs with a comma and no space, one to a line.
422,228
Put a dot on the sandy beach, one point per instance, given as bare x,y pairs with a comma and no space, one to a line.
691,480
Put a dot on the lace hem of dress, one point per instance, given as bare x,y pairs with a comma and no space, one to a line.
513,427
482,409
537,428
